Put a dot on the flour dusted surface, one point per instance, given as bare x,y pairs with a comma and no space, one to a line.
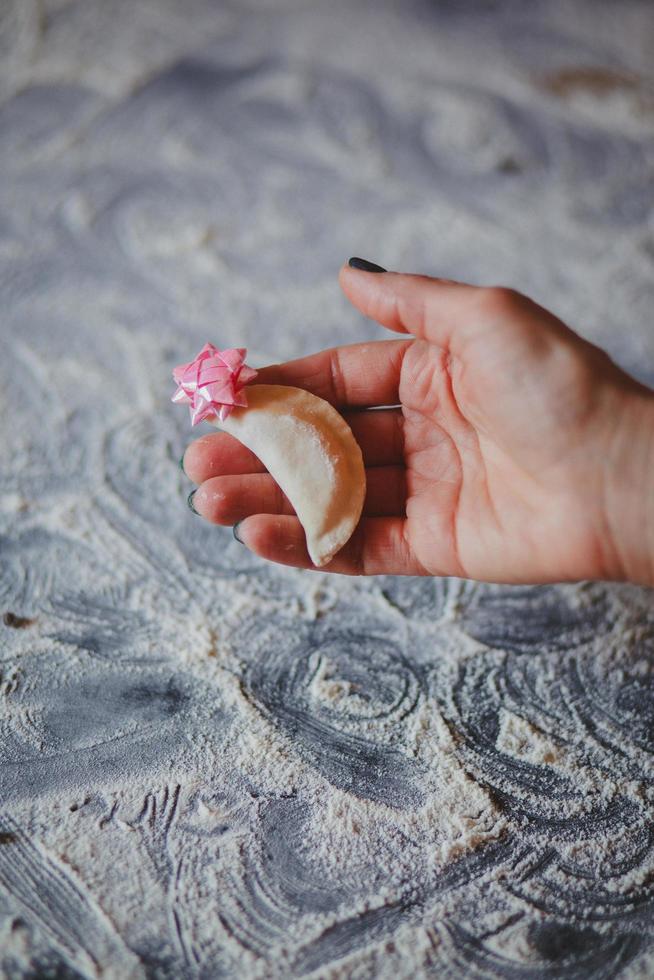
214,767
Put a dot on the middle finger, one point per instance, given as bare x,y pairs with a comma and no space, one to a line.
379,433
229,499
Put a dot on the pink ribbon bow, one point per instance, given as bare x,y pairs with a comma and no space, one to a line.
212,383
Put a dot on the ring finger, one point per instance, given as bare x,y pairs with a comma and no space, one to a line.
229,499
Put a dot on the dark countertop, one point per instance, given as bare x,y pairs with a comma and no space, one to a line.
214,767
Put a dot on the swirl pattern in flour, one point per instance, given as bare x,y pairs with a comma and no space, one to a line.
215,767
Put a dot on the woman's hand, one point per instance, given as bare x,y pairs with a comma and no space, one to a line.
518,453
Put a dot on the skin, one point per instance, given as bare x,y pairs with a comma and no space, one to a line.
519,452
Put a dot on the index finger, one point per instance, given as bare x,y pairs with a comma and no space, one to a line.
363,375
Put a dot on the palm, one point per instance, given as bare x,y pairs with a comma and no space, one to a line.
488,460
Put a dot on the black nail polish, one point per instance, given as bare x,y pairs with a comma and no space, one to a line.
235,533
189,501
181,464
365,266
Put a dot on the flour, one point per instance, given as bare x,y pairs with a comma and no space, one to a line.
523,741
212,766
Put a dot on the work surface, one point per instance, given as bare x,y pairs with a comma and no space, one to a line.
214,767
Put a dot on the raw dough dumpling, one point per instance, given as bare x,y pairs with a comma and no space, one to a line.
310,451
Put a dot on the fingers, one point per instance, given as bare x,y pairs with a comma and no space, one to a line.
378,546
378,433
230,499
218,454
432,309
357,375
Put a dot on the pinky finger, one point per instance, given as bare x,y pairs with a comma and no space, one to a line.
377,547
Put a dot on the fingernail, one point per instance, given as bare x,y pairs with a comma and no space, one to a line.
189,501
235,532
365,266
181,464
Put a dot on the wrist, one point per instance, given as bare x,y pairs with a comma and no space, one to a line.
629,488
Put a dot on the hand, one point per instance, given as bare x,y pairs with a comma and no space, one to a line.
519,452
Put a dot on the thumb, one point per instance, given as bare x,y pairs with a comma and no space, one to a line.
432,309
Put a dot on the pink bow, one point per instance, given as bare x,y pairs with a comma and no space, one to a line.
212,383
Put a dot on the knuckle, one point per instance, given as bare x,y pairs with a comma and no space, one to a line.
398,435
338,385
358,552
219,506
410,314
500,301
